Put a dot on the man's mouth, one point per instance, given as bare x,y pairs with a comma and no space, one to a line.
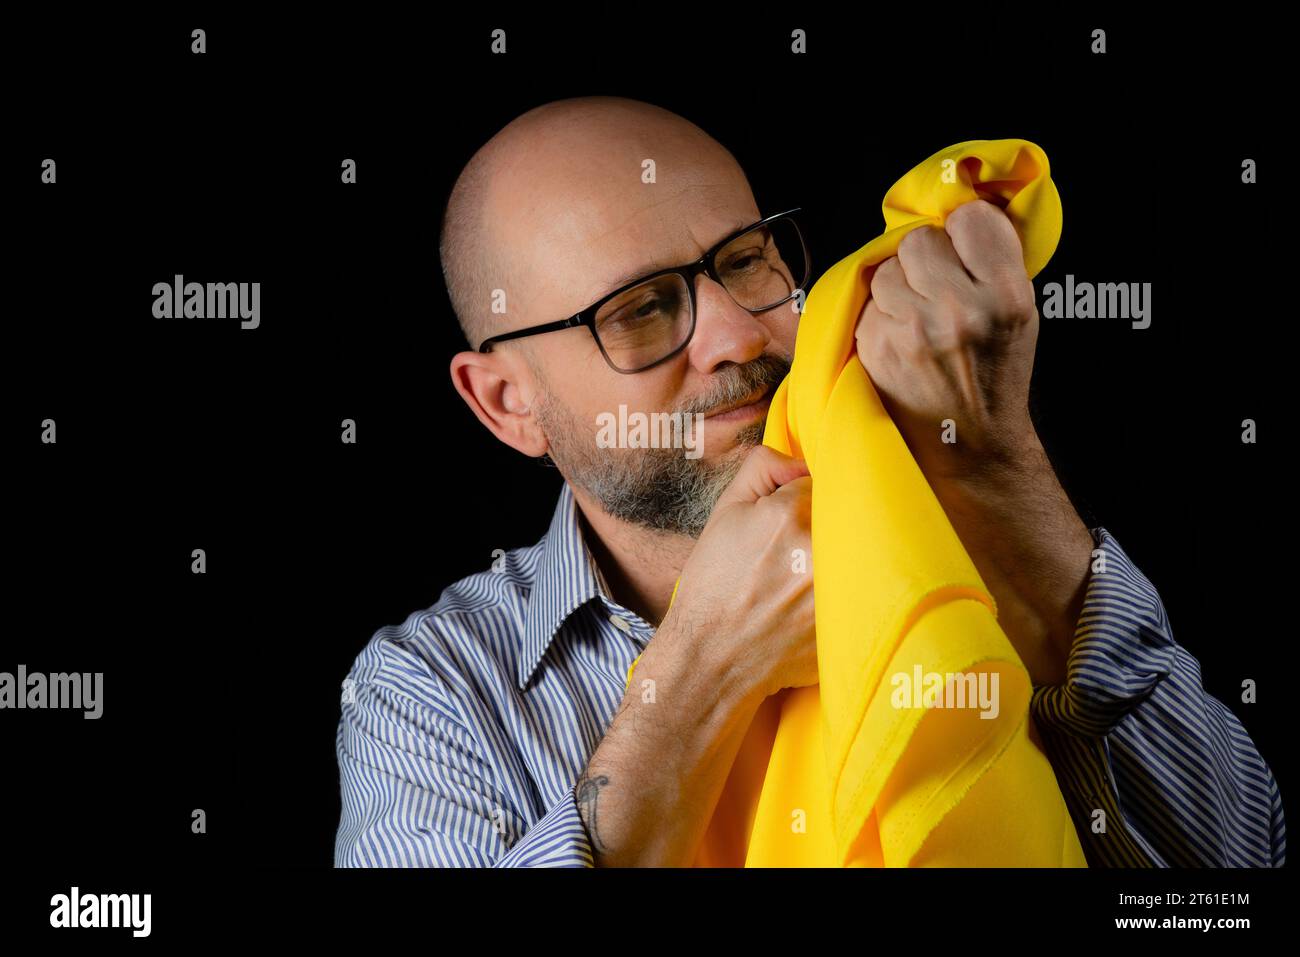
748,408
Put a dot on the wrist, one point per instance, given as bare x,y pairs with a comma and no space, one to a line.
977,449
687,668
1032,551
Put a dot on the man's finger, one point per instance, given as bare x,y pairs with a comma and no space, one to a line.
891,292
764,471
800,490
932,267
986,241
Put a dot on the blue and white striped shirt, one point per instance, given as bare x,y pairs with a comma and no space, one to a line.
464,729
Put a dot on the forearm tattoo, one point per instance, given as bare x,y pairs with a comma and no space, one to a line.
587,792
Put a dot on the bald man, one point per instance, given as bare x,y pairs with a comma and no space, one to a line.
605,255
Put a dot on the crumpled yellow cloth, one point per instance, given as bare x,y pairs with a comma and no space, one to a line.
852,772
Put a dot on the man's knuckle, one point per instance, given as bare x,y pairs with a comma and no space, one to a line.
917,237
1019,294
919,344
972,325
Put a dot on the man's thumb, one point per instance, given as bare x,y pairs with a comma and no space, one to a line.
764,471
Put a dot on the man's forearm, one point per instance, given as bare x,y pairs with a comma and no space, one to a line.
649,790
1032,550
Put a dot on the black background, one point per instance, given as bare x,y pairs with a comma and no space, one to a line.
222,690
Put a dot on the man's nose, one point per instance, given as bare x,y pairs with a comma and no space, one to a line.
724,332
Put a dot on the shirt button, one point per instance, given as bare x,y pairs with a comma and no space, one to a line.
622,624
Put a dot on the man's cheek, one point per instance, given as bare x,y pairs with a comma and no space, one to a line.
783,322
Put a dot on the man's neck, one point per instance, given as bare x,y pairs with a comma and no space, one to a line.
640,565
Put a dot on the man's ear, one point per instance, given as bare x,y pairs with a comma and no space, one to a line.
493,385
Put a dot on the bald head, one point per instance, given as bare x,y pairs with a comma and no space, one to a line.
529,212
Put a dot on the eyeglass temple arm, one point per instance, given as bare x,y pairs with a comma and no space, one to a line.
532,331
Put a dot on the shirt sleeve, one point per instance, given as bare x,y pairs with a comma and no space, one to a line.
1155,771
417,790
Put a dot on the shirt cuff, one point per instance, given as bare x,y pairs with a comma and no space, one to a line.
1122,648
558,839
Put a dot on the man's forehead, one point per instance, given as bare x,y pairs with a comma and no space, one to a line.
705,236
576,224
592,258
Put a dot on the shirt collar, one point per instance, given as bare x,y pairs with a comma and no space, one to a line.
567,577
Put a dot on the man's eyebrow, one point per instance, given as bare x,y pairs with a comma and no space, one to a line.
654,265
626,278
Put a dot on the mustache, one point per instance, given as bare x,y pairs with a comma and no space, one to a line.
740,382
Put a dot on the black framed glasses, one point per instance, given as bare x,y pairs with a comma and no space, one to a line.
651,319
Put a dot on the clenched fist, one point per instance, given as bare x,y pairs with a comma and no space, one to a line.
949,333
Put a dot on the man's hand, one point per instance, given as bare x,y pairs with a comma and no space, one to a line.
949,334
739,591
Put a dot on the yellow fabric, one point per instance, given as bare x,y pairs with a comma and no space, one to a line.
834,774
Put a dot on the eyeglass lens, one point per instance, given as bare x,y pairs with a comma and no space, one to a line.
760,269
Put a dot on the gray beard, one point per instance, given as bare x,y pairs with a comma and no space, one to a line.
659,489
